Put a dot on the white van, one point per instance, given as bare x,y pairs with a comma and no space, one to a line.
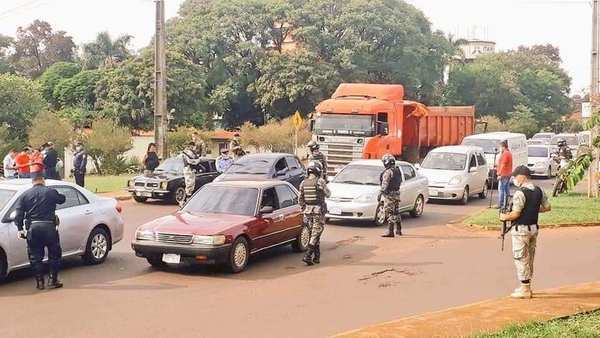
490,143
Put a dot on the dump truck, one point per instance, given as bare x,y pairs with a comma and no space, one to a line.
366,121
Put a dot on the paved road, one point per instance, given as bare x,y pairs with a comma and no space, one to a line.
363,279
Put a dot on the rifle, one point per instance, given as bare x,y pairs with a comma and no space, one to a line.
505,228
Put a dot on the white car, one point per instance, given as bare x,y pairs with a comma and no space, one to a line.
540,161
456,173
355,188
573,140
89,225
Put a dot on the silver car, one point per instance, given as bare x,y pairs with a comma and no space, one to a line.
89,224
540,161
355,188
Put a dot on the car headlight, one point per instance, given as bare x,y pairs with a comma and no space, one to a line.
163,185
209,240
455,180
144,235
366,198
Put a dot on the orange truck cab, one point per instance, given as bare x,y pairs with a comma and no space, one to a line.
370,120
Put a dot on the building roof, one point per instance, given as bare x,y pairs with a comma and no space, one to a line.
223,134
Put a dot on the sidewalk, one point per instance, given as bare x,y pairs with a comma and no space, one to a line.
489,316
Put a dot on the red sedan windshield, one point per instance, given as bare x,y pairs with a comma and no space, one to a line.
224,200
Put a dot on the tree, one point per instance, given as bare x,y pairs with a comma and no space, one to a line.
37,47
48,127
6,42
493,124
275,136
106,52
52,76
8,142
107,142
522,121
79,90
20,102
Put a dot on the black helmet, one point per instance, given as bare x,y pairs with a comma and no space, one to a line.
314,168
389,161
313,145
562,142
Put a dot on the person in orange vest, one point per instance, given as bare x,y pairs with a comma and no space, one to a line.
23,162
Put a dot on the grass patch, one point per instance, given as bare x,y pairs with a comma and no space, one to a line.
102,184
569,208
580,326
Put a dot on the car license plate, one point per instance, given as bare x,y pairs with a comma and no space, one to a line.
171,258
335,211
144,194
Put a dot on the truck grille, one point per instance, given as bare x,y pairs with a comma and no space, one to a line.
174,238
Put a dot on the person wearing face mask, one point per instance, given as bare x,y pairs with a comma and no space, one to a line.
528,201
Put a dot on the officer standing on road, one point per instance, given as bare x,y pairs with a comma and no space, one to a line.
313,191
528,201
391,178
37,222
317,155
191,160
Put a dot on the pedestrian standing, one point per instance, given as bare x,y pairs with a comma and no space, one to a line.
313,191
23,163
504,171
224,161
391,179
317,155
80,165
236,146
8,164
50,162
199,145
37,222
151,160
528,201
191,160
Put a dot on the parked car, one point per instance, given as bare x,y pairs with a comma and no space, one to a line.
167,182
544,137
536,142
355,188
225,223
456,173
89,225
573,140
540,161
266,166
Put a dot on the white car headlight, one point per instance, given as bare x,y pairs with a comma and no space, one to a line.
455,180
366,198
163,185
144,235
209,240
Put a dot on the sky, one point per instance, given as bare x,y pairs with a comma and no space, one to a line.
510,23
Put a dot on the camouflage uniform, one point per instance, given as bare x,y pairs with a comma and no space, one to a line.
191,161
199,147
236,148
322,159
391,179
313,192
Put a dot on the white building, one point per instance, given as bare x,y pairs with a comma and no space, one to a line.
473,48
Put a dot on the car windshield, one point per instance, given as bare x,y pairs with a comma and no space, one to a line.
5,196
171,165
343,124
251,166
223,200
542,136
359,175
537,152
572,140
488,146
445,161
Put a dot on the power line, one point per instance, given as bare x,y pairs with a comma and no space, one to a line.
27,5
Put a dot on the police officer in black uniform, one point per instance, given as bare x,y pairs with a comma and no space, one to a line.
391,179
37,222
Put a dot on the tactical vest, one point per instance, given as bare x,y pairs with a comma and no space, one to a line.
531,211
394,184
312,193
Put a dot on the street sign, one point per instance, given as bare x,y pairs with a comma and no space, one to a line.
297,120
586,110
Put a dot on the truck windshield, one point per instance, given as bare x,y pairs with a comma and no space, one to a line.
488,146
344,124
445,161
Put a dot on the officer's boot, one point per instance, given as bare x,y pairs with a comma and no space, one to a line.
39,279
522,292
390,232
53,282
317,258
308,259
399,228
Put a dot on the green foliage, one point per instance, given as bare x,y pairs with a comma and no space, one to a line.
575,171
78,90
6,42
106,143
80,117
493,124
7,142
48,126
522,121
275,136
567,126
20,102
53,76
179,138
105,51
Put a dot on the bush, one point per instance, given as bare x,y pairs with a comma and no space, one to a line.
522,121
178,139
493,124
275,136
106,144
118,165
7,142
47,126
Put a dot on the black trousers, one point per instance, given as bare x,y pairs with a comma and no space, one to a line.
79,179
42,235
52,174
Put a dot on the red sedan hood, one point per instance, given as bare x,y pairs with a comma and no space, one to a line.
196,224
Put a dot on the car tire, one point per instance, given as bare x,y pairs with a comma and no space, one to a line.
156,261
239,255
417,210
465,197
97,247
140,199
3,267
302,240
380,217
483,194
179,195
549,174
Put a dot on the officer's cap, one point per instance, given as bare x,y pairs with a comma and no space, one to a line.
522,170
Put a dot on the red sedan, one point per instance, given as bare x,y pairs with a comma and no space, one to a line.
224,223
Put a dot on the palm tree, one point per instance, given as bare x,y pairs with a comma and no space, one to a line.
105,51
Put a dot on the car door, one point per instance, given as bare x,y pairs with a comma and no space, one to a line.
408,189
17,248
288,202
205,174
76,216
482,169
266,235
296,171
473,175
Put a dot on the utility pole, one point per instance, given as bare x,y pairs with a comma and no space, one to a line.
160,82
592,180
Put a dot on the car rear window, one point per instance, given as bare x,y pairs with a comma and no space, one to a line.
5,197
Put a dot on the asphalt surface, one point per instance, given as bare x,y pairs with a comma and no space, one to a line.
363,279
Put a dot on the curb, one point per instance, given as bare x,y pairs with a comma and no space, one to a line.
542,226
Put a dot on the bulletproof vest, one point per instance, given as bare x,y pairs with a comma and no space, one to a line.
318,157
396,180
312,193
530,213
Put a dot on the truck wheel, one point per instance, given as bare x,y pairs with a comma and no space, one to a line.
140,199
